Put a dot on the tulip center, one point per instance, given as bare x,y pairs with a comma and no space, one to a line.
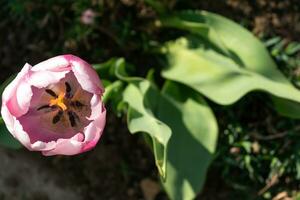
61,110
65,104
59,101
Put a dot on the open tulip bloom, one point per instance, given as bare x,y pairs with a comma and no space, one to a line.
55,106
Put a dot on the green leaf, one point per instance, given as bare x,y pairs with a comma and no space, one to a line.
242,46
111,69
292,48
6,139
224,61
114,75
287,108
112,88
193,140
217,76
185,118
143,99
106,69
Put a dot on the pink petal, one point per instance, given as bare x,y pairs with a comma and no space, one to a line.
18,102
96,107
85,74
8,118
23,96
21,135
43,146
55,64
14,127
42,79
70,146
94,130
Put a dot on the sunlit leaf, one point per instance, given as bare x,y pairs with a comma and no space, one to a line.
193,140
143,99
224,61
238,43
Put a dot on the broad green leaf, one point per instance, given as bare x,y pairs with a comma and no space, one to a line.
242,46
183,165
143,99
193,140
6,139
217,76
181,117
225,62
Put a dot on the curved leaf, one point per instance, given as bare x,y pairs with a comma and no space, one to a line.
217,76
235,41
225,61
143,99
193,140
183,129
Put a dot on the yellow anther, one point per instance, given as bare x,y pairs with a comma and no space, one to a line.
59,101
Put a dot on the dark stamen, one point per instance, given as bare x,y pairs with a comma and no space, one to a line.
77,104
72,118
51,92
47,108
68,90
43,107
57,117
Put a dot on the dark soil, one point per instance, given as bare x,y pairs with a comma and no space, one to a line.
113,170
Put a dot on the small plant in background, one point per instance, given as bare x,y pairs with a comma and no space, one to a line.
287,55
190,98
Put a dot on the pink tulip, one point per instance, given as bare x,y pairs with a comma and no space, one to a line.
55,106
88,17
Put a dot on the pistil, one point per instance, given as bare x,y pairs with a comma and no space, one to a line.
59,101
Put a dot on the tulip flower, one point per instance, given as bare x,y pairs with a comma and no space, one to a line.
55,106
88,17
